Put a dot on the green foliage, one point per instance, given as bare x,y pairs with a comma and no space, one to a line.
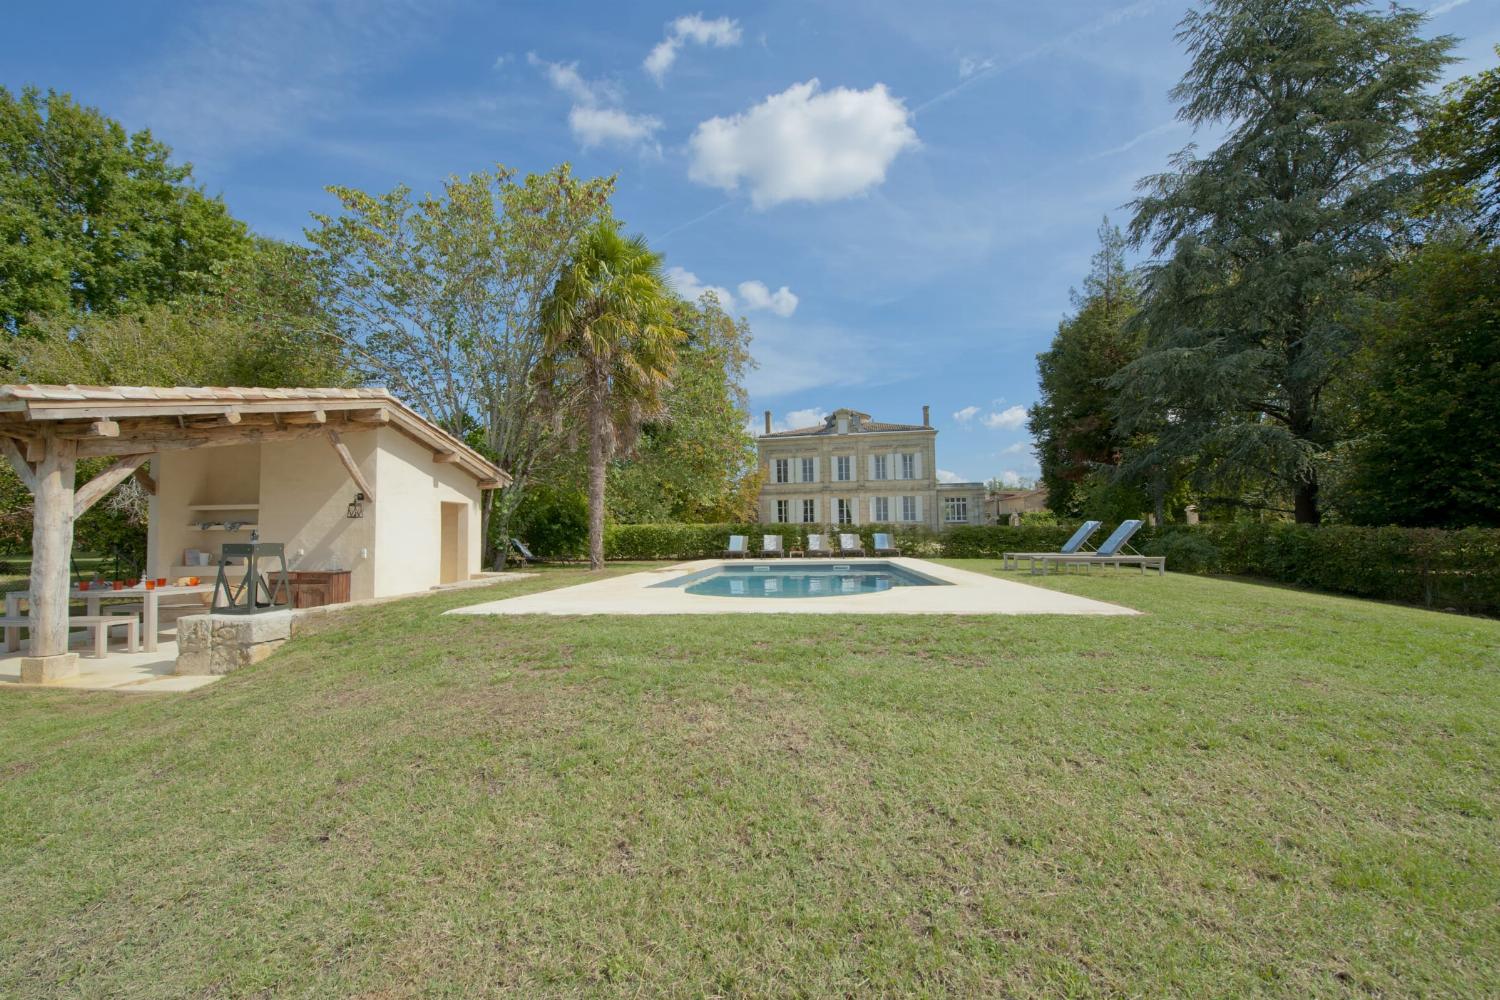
259,320
93,220
697,462
1441,569
553,521
1271,241
441,298
611,341
1461,143
1426,408
1073,422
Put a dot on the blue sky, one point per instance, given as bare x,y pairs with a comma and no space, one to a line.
897,195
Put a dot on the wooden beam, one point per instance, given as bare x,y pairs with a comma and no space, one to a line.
231,416
105,428
307,417
36,449
24,469
376,417
445,457
97,488
144,478
349,465
172,439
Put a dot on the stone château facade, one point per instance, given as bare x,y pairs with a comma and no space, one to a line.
851,470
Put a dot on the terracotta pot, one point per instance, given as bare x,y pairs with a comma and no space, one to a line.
118,585
192,581
161,581
83,585
150,584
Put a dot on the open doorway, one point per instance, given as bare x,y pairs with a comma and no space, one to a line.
454,545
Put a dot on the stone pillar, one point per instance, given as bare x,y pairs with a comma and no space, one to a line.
51,553
1192,513
1015,519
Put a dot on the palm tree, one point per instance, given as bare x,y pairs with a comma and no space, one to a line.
610,328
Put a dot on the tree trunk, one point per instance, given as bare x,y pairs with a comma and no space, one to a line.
599,442
488,556
1305,502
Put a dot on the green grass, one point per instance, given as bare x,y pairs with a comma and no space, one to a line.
1248,791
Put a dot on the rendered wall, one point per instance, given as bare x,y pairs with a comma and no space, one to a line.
408,515
303,493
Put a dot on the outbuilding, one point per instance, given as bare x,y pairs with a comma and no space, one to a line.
349,481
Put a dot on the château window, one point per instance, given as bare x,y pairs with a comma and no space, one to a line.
908,508
908,466
783,470
882,467
783,511
955,509
845,467
846,512
882,512
809,511
809,469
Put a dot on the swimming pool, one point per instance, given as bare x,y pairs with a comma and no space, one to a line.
800,579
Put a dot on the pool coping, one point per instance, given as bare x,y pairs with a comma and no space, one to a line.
637,594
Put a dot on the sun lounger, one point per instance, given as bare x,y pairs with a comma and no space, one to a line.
526,555
884,546
818,546
1075,544
770,546
1111,553
851,545
739,545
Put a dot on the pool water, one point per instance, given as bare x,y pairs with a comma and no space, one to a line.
795,579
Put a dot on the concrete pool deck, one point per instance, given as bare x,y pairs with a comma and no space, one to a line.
633,594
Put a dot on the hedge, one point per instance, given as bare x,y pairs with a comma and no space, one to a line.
1458,570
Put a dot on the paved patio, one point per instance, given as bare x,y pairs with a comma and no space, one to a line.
971,594
132,673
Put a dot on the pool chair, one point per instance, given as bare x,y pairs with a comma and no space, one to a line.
770,545
1074,545
884,546
526,556
817,545
739,545
1111,553
851,545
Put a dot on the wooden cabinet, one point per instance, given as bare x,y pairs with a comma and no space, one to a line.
315,588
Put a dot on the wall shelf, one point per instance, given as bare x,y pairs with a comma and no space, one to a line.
223,506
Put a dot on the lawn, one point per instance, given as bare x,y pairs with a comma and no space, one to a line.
1247,791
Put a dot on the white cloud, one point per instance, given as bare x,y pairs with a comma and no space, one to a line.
596,118
610,126
804,145
1444,8
944,476
1019,448
720,33
1011,478
810,417
964,416
755,295
1008,419
689,287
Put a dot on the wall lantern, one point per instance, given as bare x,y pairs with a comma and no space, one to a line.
356,506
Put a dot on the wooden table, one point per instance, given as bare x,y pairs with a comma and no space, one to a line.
94,597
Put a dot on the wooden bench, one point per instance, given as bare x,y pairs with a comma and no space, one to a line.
101,624
13,625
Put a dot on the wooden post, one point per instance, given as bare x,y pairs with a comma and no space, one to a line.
51,551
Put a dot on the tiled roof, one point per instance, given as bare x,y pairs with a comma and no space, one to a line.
37,403
186,394
830,427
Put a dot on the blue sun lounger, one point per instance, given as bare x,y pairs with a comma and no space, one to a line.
1111,553
1012,560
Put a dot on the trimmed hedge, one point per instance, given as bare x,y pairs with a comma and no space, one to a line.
1458,570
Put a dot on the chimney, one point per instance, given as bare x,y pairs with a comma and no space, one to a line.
768,421
926,416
